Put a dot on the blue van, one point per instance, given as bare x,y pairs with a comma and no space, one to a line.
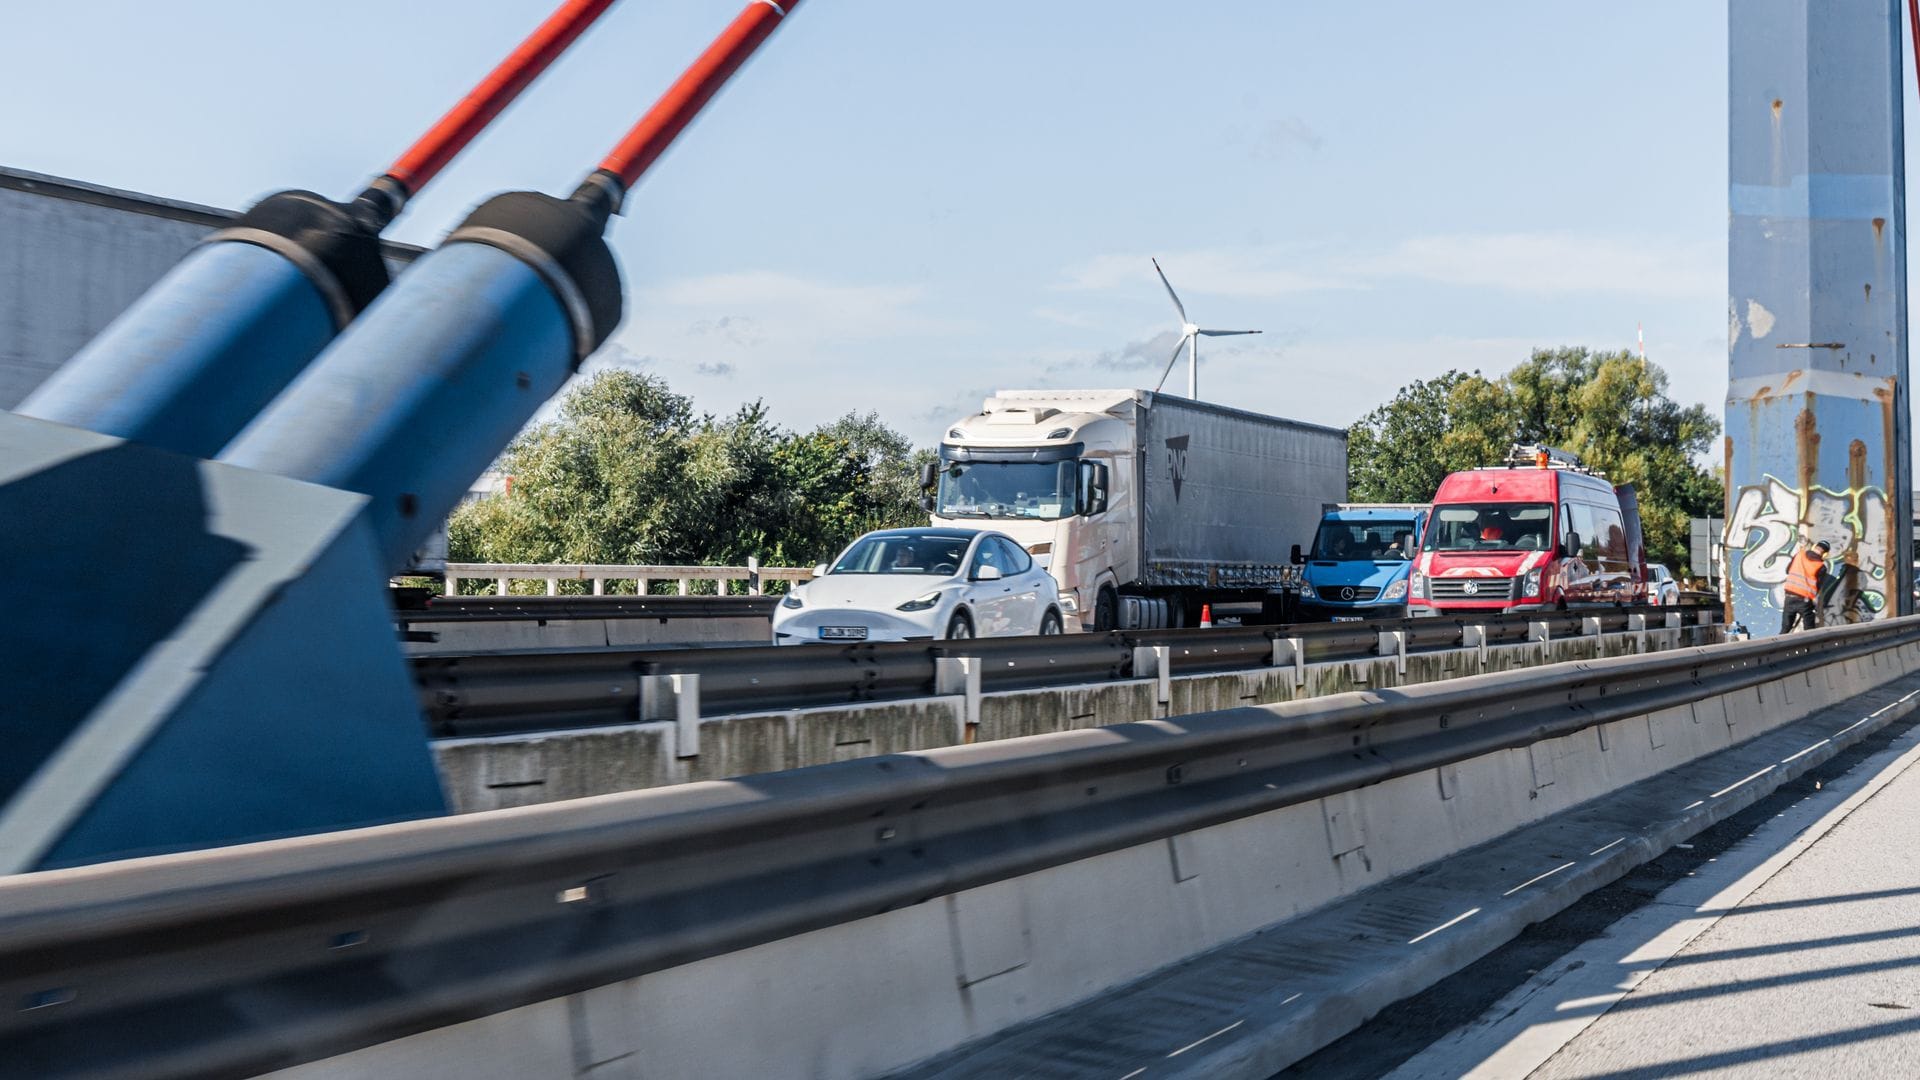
1358,566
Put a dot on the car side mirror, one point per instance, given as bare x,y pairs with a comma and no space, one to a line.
926,502
929,474
988,573
1295,556
820,571
1406,547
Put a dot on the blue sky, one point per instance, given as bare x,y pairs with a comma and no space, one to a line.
900,206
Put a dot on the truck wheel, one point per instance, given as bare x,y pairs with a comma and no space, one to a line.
1106,612
1050,623
959,627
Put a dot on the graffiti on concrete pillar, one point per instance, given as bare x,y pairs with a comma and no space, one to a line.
1769,520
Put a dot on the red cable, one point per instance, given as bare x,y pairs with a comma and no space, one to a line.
685,98
424,159
1913,21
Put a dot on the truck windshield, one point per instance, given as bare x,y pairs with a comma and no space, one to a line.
1490,527
1024,489
1344,541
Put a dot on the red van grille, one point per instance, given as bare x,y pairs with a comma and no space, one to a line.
1472,588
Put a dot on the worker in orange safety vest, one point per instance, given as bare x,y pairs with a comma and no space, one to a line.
1803,587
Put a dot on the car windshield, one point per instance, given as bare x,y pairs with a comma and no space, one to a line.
1023,489
1344,541
1490,527
903,554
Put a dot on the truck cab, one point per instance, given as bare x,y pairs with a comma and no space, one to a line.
1541,531
1359,563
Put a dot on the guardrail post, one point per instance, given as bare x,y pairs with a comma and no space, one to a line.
1474,636
675,698
500,586
453,585
643,586
961,675
1291,652
1156,662
599,586
553,585
686,586
1703,617
1590,626
1637,621
753,575
1394,643
1539,631
1673,620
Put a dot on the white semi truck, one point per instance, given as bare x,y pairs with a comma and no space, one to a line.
1143,506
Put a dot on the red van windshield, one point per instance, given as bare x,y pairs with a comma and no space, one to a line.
1490,527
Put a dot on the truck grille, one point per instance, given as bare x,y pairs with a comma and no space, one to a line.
1484,588
1352,594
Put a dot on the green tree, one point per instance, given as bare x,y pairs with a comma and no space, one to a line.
1607,407
628,473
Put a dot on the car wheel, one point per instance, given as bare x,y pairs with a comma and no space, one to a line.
959,627
1050,623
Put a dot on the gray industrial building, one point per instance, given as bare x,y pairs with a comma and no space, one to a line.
74,255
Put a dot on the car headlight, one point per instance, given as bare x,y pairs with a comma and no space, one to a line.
921,603
793,600
1530,585
1397,590
1418,588
1307,593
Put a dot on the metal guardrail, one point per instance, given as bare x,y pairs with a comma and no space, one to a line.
488,694
504,574
240,960
446,609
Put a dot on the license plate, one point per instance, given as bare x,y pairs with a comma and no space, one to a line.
1349,618
843,633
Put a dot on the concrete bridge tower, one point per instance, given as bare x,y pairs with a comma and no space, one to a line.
1817,411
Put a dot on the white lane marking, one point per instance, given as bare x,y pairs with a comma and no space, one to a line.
1134,1073
1530,881
1605,846
1456,920
1215,1035
1738,783
1804,753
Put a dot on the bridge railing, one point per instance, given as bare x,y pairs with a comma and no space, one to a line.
503,575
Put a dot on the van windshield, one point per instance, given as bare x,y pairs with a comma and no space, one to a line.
1490,527
1345,541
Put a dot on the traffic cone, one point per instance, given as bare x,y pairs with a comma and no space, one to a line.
1206,616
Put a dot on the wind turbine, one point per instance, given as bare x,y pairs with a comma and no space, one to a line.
1190,336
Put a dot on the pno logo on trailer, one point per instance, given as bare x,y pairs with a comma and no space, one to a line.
1177,462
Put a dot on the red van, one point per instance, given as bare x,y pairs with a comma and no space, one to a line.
1539,532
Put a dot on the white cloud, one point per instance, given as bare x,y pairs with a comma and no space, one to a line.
779,308
1256,272
1558,263
1531,263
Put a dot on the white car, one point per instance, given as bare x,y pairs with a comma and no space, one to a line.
921,584
1662,588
